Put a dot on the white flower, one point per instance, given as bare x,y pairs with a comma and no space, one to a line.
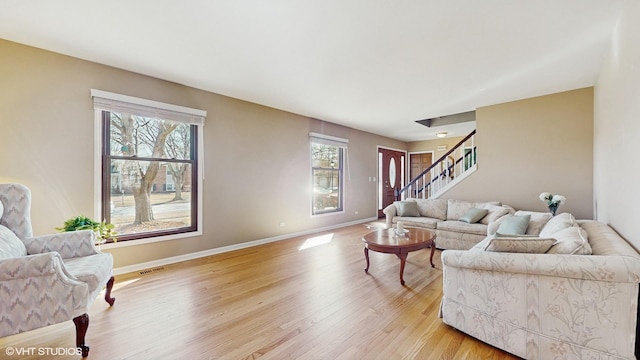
551,199
545,196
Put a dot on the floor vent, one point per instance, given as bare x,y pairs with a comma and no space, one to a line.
149,271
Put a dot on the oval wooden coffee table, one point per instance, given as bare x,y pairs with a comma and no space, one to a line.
388,242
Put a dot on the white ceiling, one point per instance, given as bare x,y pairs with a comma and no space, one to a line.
374,65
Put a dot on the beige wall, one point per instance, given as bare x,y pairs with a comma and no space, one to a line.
257,169
257,164
617,129
432,145
534,145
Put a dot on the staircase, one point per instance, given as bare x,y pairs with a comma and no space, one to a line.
444,173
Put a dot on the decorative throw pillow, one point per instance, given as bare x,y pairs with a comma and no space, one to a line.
530,245
457,208
572,240
494,213
537,220
473,215
557,223
10,245
407,208
514,225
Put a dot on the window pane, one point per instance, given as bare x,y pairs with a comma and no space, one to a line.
133,135
325,156
326,190
327,174
167,204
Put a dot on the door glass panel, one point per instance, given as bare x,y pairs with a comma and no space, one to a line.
392,172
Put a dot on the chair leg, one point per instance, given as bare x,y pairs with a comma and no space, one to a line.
107,294
82,324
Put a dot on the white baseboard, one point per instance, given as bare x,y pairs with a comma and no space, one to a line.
175,259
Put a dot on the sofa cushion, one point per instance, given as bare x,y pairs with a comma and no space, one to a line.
93,269
526,244
407,208
462,227
417,221
514,225
457,208
537,221
433,208
572,240
495,212
10,245
557,223
473,215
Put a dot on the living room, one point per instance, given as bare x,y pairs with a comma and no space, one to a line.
577,142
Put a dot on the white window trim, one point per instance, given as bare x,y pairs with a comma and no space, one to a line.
102,99
338,142
108,101
328,140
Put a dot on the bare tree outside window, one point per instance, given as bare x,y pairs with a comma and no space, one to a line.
151,163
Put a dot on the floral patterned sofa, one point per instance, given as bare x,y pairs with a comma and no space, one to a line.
558,301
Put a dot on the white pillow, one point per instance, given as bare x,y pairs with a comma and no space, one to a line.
10,245
1,209
557,223
495,212
571,240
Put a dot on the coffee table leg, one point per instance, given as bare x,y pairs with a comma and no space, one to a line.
366,256
403,259
433,250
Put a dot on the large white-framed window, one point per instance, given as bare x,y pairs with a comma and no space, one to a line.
328,158
150,166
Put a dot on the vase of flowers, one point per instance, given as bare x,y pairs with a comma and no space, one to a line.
553,201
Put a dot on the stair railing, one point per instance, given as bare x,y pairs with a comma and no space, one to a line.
450,166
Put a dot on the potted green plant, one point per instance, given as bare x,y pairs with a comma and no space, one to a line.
103,230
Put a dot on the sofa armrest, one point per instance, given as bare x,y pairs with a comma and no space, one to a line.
32,266
68,244
590,267
39,282
389,212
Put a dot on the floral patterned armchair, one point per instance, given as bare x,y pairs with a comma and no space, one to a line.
48,279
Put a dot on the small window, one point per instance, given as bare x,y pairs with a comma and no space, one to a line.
150,165
327,173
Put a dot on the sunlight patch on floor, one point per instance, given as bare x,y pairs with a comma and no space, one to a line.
120,284
316,241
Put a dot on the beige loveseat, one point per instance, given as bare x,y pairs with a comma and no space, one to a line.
443,216
569,293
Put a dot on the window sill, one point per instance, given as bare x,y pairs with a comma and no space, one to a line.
120,244
340,212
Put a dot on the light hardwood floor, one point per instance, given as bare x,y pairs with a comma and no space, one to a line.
275,301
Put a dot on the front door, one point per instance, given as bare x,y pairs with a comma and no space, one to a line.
390,176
